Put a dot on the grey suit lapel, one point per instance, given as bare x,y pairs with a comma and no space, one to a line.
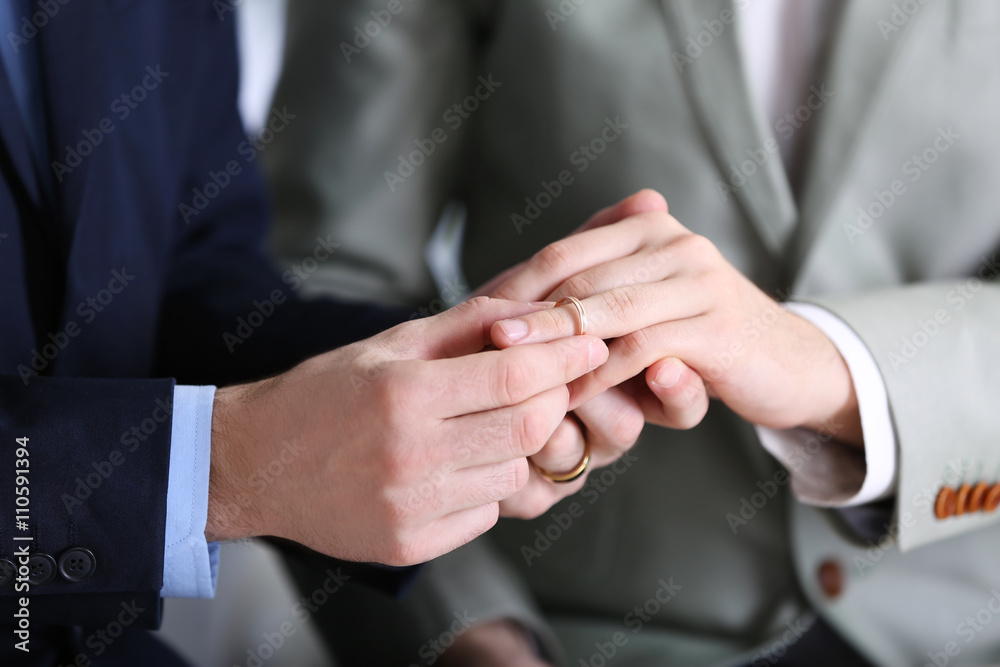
706,53
858,73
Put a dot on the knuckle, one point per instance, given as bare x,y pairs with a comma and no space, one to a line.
633,344
555,258
506,481
622,303
476,303
626,429
696,246
511,380
393,393
396,511
533,432
402,550
579,286
486,517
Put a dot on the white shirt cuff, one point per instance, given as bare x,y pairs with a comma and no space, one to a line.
190,563
828,474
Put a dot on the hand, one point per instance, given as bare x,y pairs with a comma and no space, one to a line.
492,644
396,449
678,310
609,423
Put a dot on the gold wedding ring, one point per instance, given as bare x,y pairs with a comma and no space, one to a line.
570,476
579,310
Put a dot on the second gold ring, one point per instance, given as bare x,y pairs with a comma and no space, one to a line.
580,311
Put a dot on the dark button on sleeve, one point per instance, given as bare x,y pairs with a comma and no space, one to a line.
7,572
41,569
77,564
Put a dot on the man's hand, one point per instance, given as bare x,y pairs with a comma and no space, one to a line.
678,310
396,449
609,423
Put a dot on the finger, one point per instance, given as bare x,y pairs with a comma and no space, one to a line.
505,434
679,398
610,314
567,257
448,491
501,378
564,449
645,266
452,531
613,422
462,329
643,201
538,496
631,354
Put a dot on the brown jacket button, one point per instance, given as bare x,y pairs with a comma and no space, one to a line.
978,496
831,578
962,500
992,499
946,503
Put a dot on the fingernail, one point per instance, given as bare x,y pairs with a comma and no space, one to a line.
543,304
597,354
514,329
669,374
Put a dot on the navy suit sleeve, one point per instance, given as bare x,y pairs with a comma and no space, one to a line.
228,315
97,464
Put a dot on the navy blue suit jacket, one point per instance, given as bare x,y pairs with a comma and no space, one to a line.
109,282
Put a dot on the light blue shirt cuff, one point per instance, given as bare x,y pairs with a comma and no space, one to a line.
190,563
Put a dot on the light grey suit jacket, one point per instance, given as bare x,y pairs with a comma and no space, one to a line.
894,227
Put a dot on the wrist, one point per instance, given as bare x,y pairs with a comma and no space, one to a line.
838,415
232,514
